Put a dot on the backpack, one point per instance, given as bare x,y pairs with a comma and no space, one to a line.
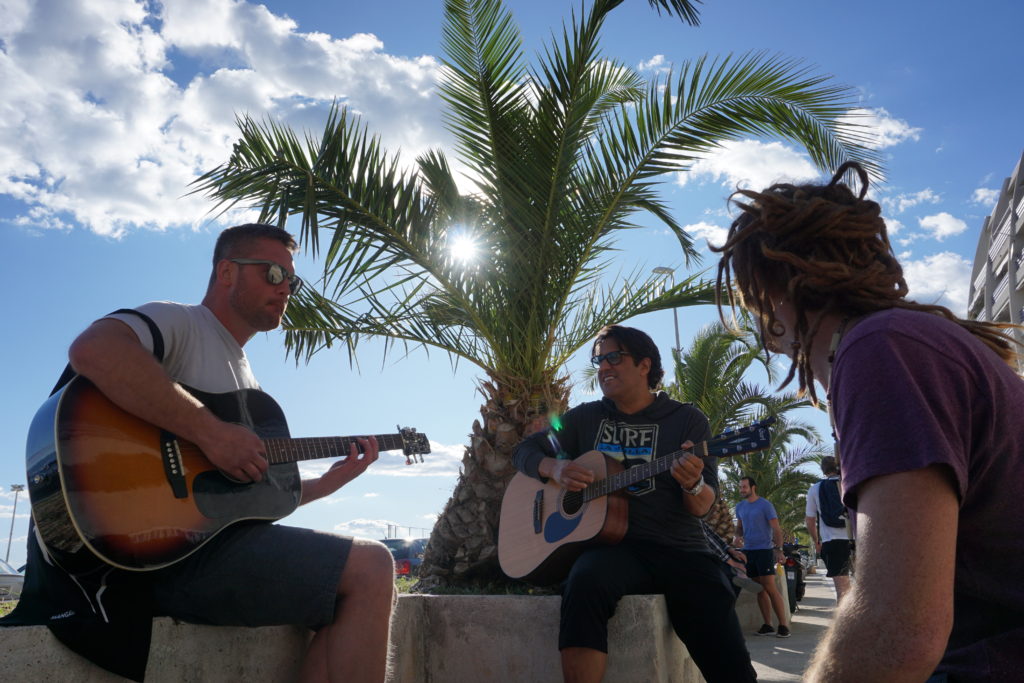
830,505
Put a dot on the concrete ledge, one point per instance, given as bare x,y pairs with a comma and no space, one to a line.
435,639
180,653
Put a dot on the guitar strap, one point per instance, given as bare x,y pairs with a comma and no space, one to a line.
158,347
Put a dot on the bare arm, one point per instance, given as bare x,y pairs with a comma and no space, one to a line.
110,355
776,538
688,471
812,529
737,539
897,618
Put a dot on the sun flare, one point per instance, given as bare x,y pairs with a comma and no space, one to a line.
463,248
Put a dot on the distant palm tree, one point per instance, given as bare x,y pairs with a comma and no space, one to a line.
714,375
562,155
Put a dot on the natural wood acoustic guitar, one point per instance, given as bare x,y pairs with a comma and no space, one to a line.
544,527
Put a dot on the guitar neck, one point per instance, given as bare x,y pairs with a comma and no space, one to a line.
317,447
637,473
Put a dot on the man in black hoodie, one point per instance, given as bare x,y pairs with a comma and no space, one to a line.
664,550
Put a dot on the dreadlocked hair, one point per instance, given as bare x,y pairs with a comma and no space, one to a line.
826,250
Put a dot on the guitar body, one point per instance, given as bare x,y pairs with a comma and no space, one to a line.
105,484
544,527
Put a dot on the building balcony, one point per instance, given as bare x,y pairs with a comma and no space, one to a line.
979,280
976,307
1001,299
1000,244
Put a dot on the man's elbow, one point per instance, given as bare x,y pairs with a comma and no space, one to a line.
84,353
100,345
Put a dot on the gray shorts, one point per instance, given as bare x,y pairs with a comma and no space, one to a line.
256,574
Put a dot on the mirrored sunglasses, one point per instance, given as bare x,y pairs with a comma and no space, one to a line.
613,358
276,273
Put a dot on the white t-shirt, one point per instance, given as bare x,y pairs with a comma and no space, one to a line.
826,533
198,350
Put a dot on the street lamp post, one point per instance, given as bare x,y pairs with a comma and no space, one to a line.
16,488
662,270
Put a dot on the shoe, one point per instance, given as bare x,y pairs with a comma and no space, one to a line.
783,632
746,583
765,630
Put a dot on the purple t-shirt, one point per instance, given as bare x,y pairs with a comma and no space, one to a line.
910,390
757,523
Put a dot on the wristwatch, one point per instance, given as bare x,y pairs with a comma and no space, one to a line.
697,488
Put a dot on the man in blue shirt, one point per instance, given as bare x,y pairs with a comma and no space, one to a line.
759,534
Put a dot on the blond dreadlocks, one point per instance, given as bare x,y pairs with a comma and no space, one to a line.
826,250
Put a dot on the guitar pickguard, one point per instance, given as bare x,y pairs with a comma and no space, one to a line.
558,526
274,497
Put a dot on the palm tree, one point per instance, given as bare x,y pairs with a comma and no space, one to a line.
562,157
713,374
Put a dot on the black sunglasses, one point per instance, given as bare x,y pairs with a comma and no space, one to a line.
613,358
276,273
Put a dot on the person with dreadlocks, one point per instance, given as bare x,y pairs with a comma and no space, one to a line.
927,411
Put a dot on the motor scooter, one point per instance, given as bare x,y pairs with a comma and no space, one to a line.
792,563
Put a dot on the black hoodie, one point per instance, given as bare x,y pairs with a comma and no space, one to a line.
656,511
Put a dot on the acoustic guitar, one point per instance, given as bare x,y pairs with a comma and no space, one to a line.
105,484
544,527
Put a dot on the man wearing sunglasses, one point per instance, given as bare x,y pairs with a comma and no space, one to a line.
664,550
251,574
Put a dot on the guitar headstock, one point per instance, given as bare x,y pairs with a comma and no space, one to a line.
414,444
753,437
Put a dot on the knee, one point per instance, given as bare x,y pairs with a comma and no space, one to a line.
370,568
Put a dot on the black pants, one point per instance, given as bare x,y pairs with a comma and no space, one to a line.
701,603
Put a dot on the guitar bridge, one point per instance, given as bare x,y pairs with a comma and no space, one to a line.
173,469
538,512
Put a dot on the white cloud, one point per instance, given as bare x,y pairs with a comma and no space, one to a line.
892,225
942,225
365,528
95,128
442,461
751,164
985,196
942,278
657,63
879,129
714,234
908,200
371,495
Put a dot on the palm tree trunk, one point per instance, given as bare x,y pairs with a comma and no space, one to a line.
463,546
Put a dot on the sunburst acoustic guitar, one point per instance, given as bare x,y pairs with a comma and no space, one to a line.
544,527
105,484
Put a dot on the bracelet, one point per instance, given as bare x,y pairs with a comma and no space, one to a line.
697,488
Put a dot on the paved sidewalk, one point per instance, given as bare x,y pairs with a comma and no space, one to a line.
785,659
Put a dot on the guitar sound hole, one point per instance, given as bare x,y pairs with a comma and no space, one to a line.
572,501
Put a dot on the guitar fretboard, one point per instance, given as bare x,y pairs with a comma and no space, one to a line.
754,437
621,480
312,448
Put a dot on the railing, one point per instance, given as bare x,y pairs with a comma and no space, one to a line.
976,307
1000,241
979,280
1000,297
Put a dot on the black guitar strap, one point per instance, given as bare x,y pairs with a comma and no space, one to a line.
158,347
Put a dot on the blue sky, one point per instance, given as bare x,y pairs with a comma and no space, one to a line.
111,107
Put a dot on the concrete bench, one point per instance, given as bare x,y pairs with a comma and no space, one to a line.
436,639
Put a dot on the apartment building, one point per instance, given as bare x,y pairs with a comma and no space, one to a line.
997,281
